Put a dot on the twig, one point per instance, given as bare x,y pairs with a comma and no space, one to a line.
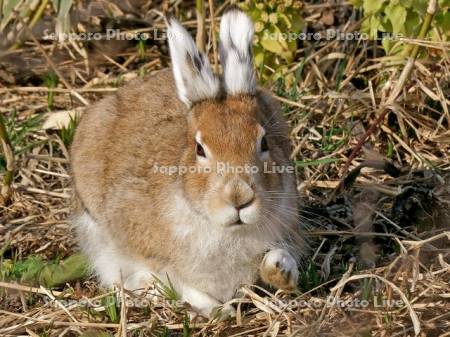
58,323
384,108
29,289
59,90
334,295
417,244
53,298
297,104
9,157
53,194
213,33
38,14
51,314
200,38
52,65
48,158
406,302
123,311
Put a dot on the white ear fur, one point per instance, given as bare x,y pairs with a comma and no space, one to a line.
236,37
193,75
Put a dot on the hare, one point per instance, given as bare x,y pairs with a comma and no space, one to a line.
173,177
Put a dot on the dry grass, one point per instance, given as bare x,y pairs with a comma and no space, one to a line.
383,239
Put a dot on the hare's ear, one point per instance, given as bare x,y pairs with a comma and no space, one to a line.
193,75
236,37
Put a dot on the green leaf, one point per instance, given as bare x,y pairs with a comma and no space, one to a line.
397,16
387,45
443,21
420,6
28,268
166,290
412,23
255,14
272,45
373,25
372,6
52,274
259,58
186,328
297,23
109,302
274,40
356,3
286,20
406,3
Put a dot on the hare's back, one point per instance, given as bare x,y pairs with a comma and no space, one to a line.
121,138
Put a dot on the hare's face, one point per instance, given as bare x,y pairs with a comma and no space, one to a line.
228,146
231,153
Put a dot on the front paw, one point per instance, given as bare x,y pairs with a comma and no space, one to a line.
206,305
279,270
223,312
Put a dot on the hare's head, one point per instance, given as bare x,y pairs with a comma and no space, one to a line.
232,138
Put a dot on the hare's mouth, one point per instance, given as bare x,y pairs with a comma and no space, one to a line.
237,223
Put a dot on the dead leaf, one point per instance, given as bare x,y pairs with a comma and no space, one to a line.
61,119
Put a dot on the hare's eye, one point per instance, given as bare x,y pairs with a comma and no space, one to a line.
199,150
264,145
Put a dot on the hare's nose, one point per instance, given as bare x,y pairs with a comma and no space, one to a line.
239,194
245,204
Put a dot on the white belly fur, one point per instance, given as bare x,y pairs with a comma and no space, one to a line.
216,261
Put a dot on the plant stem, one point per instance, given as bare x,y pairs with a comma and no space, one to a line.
38,14
9,156
431,10
52,65
213,33
384,108
200,38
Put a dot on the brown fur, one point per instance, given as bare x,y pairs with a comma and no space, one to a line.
206,230
121,137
